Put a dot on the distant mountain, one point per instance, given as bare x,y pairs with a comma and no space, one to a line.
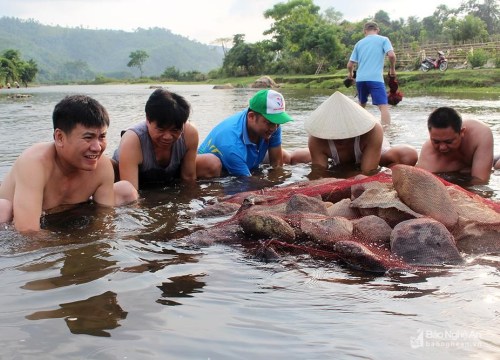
81,54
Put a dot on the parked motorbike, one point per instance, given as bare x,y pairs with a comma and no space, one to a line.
440,63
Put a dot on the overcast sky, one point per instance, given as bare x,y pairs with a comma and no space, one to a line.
201,20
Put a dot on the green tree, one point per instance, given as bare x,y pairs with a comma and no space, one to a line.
171,73
13,68
304,40
28,72
8,70
137,59
469,28
333,16
489,12
382,18
10,61
246,59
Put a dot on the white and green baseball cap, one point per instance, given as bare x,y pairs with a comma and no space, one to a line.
271,105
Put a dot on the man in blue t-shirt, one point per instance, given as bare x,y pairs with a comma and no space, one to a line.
238,144
369,55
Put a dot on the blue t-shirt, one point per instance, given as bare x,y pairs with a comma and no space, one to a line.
229,141
369,54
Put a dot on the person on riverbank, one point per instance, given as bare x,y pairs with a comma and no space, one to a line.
239,144
343,133
49,177
368,56
456,145
162,148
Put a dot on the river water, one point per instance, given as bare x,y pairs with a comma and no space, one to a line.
121,285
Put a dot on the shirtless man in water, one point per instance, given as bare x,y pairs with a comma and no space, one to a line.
457,146
70,170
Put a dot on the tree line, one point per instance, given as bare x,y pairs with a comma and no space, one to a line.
14,69
304,39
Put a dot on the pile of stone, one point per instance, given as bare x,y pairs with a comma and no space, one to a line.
414,221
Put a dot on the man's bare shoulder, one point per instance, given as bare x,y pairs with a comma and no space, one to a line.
475,127
477,134
39,151
37,156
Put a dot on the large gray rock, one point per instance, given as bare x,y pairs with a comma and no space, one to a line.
359,257
478,239
266,226
302,204
326,231
264,82
343,208
425,194
373,229
424,242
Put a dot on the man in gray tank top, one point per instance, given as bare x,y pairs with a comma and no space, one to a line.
162,148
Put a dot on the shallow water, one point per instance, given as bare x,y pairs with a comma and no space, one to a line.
121,285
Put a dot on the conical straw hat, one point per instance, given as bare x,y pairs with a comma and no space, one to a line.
338,117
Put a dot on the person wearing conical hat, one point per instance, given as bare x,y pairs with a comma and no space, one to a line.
368,57
343,133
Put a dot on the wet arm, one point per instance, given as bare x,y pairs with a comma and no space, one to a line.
392,62
319,158
426,159
188,167
28,197
130,158
482,161
350,69
276,156
104,194
371,153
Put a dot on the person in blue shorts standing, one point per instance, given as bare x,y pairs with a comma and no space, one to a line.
238,144
368,56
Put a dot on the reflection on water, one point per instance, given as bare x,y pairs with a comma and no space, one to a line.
180,287
109,273
91,316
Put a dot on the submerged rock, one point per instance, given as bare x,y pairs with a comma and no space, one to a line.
218,209
477,239
359,257
424,242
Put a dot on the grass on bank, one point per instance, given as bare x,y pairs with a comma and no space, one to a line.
450,81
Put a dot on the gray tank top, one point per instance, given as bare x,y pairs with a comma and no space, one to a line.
150,172
335,155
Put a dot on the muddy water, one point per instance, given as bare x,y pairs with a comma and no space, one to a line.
119,285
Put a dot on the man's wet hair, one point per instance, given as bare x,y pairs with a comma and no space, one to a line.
79,109
444,117
167,109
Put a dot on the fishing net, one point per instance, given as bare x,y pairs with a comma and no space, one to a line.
394,96
409,219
